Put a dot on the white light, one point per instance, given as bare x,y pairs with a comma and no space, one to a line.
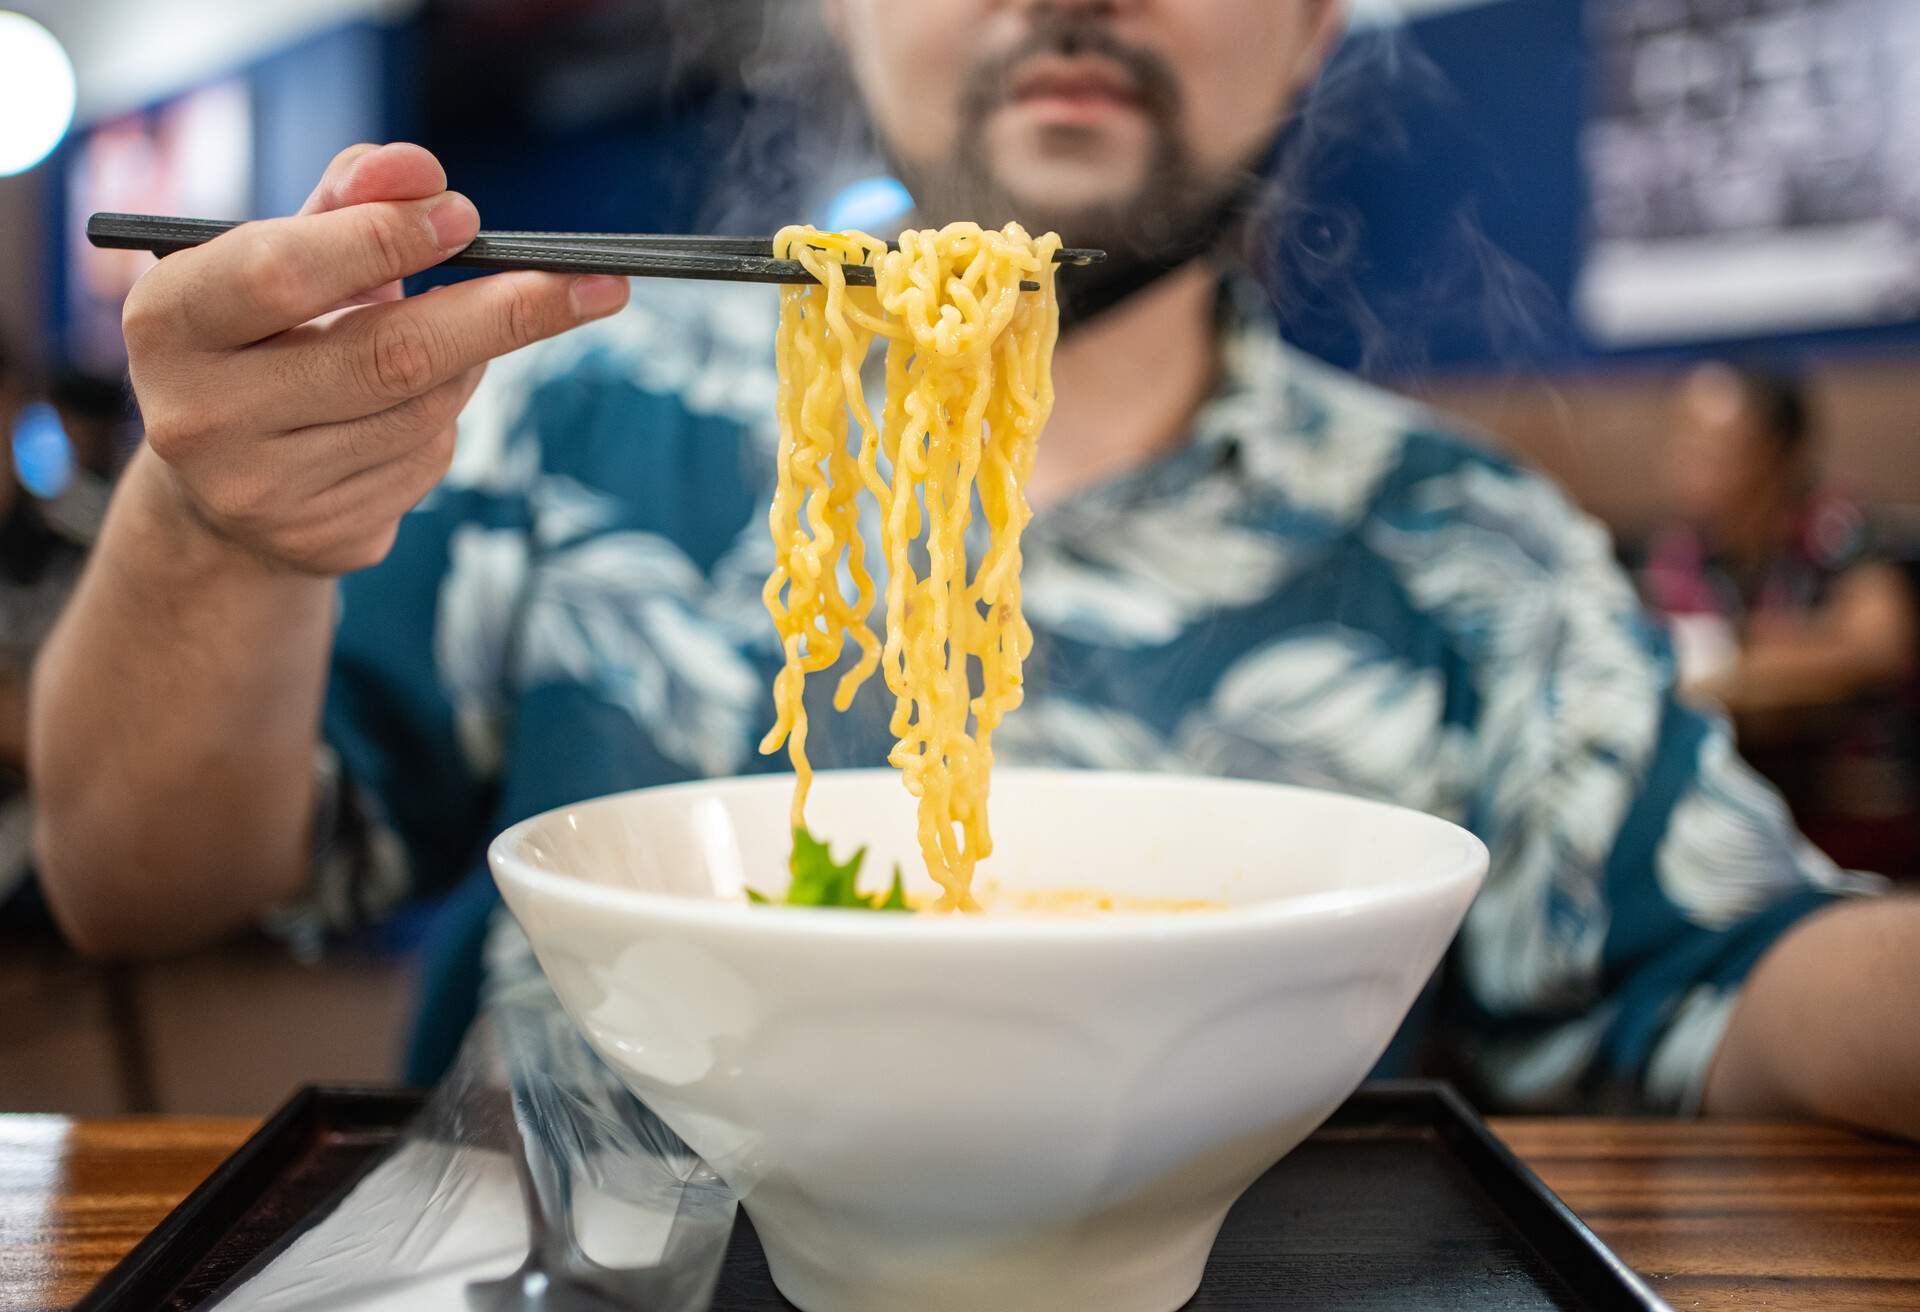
1392,13
870,205
36,92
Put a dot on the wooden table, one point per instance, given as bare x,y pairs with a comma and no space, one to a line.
1716,1215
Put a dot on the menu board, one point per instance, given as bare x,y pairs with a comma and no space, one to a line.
1753,167
192,155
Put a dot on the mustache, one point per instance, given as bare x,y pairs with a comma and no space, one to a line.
989,83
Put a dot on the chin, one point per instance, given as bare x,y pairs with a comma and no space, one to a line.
1061,170
1067,195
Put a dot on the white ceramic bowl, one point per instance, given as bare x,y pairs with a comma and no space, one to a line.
947,1113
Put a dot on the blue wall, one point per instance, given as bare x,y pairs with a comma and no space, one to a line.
1437,225
1442,203
316,98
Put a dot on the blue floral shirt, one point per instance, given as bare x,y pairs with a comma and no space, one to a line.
1323,586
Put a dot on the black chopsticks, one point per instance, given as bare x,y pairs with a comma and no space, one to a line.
631,254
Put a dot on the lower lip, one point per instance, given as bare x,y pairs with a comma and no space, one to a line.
1074,109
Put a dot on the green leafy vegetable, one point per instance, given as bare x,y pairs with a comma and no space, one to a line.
817,880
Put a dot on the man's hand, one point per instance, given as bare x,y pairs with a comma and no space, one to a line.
299,405
296,408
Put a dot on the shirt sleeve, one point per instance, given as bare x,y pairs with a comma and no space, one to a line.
359,870
1639,867
536,633
408,765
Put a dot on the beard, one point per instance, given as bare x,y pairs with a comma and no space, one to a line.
1178,212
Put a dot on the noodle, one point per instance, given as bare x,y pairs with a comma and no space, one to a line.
969,386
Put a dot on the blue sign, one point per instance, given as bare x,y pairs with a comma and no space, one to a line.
42,455
870,205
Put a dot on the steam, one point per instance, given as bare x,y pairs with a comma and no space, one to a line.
1307,250
803,135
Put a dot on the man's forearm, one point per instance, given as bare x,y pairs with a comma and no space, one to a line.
1825,1026
174,715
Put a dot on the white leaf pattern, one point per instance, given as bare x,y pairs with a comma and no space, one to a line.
1333,708
565,509
1140,577
1311,437
1572,700
617,614
1514,591
483,586
1062,732
703,343
1731,846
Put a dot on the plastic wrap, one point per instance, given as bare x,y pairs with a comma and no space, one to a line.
529,1122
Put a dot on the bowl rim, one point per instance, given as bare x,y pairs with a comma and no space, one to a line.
1464,870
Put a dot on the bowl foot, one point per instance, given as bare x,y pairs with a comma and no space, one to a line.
1122,1270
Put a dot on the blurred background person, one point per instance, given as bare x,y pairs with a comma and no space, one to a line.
93,415
63,451
39,565
1785,615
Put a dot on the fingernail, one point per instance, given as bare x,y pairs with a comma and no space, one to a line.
597,294
454,222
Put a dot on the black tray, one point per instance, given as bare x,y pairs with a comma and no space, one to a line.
1403,1200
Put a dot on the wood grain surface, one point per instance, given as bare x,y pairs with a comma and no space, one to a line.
1725,1215
76,1195
1715,1215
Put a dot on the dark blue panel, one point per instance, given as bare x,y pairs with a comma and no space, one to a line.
1451,184
1439,193
311,101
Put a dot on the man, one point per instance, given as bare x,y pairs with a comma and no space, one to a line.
1243,563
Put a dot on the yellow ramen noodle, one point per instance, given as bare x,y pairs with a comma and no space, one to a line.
1069,903
969,385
